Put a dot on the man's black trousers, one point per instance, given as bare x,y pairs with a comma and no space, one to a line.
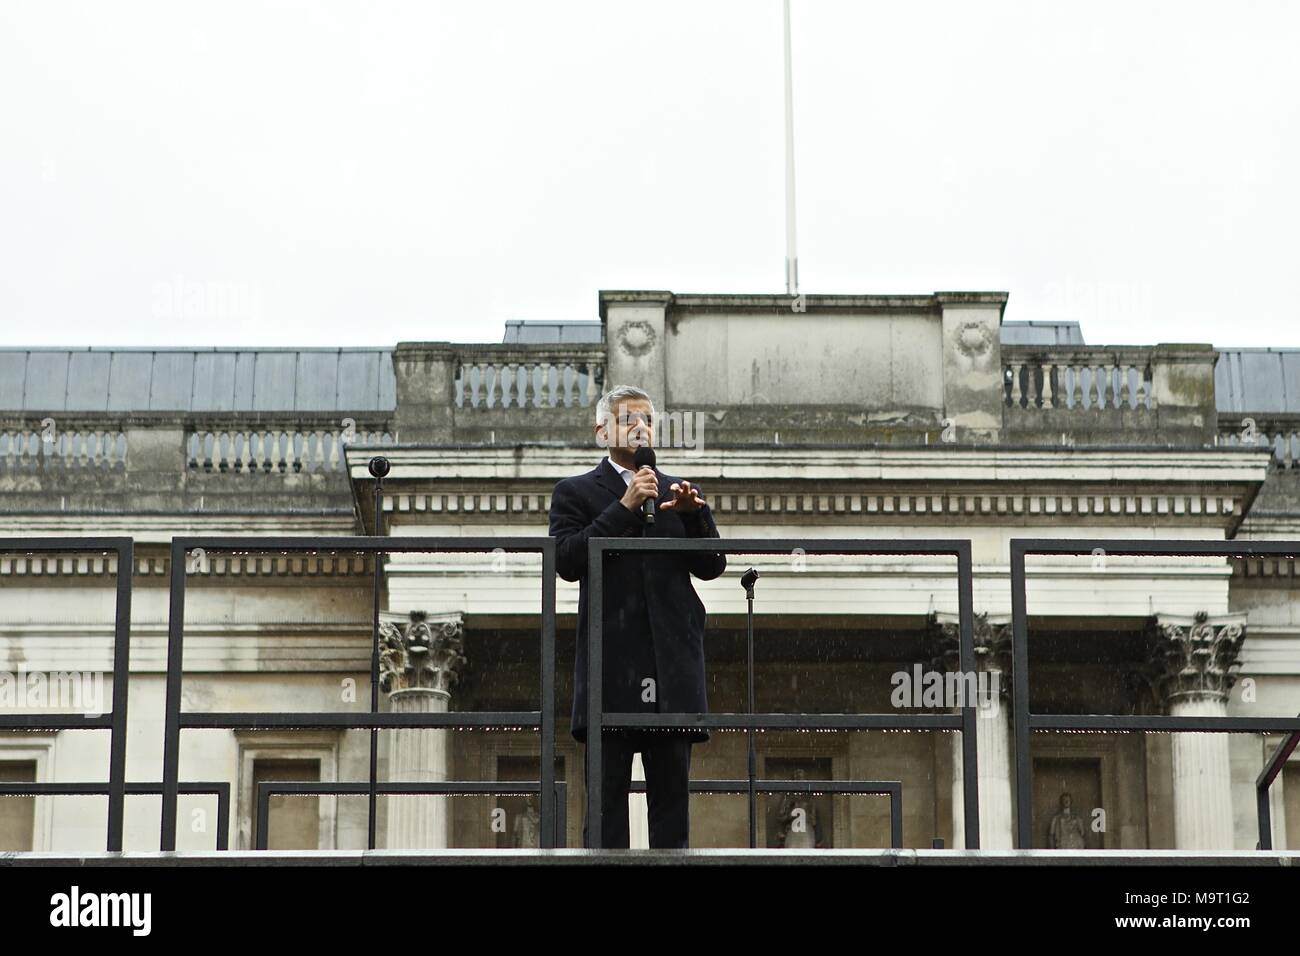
667,761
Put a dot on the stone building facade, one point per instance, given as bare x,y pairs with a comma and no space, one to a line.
889,417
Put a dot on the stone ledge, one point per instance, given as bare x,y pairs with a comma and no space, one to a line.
725,857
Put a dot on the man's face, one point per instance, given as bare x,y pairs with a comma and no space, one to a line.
630,425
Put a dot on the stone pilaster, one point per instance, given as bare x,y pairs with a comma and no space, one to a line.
635,326
425,375
972,363
418,664
1192,669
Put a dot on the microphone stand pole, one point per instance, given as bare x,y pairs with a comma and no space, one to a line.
379,468
747,582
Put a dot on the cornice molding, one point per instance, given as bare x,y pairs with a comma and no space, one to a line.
932,464
159,529
159,566
1175,508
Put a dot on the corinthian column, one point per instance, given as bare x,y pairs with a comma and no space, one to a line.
417,666
1193,665
993,727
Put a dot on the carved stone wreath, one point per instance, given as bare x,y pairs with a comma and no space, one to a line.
636,338
973,339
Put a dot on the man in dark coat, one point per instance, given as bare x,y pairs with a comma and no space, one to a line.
653,621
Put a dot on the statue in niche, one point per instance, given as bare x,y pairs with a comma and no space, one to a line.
528,825
798,818
1066,831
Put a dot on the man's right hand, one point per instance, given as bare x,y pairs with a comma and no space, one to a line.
645,484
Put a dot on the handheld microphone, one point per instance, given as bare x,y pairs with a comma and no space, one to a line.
642,457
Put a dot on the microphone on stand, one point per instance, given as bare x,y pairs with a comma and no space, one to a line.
642,457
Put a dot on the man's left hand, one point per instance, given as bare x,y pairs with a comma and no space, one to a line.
686,498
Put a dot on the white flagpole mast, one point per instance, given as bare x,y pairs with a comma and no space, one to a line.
791,256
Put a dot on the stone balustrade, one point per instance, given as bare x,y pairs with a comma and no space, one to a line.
1078,378
290,446
514,376
1160,395
1276,430
53,443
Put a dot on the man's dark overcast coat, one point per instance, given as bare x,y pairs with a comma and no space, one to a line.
653,619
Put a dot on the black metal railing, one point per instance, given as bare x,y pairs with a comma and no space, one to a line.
218,788
887,788
1026,722
1272,767
598,719
268,788
177,720
115,720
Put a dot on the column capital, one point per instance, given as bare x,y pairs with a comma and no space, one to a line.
992,639
426,653
1195,658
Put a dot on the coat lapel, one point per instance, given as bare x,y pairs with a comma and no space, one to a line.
610,479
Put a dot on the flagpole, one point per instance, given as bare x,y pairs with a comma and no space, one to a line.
791,256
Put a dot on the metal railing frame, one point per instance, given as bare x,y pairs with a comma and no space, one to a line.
115,720
888,788
269,788
1026,722
1272,767
218,788
178,720
598,719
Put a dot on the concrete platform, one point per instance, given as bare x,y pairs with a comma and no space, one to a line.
577,857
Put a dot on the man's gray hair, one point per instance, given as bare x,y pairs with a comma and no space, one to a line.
617,395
